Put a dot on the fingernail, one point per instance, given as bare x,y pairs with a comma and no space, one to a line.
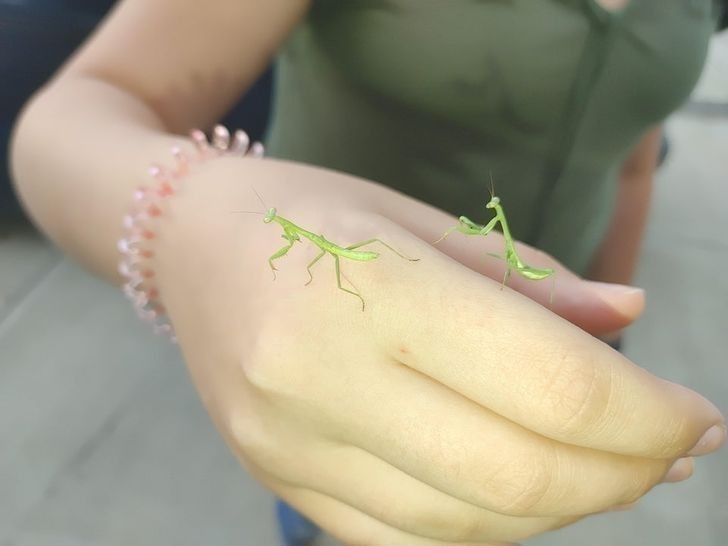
710,441
629,301
681,470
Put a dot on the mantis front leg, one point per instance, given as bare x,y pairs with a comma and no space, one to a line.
282,252
487,228
467,227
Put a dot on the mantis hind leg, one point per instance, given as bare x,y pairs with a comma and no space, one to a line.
309,266
446,234
370,241
282,252
506,275
553,288
338,282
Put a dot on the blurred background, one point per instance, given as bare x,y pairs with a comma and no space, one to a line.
104,442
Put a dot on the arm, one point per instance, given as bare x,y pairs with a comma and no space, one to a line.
406,419
617,257
86,138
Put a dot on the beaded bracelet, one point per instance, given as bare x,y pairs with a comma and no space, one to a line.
147,209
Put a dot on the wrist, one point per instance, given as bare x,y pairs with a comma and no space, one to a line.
144,222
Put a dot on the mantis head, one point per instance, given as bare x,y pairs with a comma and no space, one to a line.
270,215
494,202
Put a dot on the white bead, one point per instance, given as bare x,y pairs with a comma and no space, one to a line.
141,299
129,291
256,150
124,269
241,142
221,137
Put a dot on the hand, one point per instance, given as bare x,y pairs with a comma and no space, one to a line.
451,410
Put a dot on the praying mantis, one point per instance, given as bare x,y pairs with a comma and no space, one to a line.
293,233
513,261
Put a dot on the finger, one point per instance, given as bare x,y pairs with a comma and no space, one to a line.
502,351
596,307
445,440
352,526
379,489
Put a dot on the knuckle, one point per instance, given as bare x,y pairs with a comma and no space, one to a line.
269,366
644,476
251,439
523,485
576,393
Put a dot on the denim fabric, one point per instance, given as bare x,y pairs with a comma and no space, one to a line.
295,529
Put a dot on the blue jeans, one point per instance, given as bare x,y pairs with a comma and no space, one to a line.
296,530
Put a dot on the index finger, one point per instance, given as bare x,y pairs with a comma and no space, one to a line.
512,356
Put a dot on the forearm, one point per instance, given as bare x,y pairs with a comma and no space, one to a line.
79,148
618,256
83,145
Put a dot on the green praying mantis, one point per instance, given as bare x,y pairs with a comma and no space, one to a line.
511,257
293,233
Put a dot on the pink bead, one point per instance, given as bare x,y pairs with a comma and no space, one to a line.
198,137
128,222
182,162
200,141
165,189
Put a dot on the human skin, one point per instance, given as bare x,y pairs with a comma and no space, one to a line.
616,259
451,410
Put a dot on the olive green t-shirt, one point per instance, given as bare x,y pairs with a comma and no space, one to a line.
432,96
